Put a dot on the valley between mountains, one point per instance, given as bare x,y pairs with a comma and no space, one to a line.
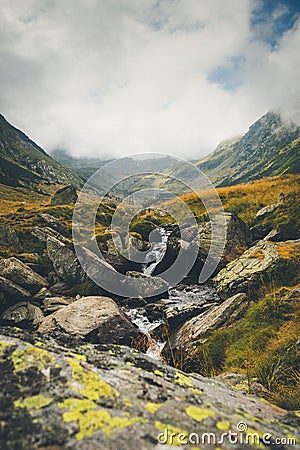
86,369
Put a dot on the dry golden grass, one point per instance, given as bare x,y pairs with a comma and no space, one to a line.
247,199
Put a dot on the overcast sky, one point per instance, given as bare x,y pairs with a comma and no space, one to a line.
114,77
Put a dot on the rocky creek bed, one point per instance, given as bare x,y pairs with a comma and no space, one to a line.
81,369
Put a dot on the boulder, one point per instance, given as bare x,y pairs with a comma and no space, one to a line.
255,267
64,260
11,293
22,275
148,286
22,314
267,210
64,196
81,396
196,329
97,319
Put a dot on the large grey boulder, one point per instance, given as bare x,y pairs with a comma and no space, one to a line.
64,196
81,396
197,328
22,275
252,269
96,318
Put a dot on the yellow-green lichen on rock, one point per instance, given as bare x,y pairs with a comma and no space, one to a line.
88,383
152,407
198,413
90,419
34,402
183,380
30,357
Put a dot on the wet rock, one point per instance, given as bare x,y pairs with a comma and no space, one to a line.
254,268
11,293
196,329
148,287
98,319
23,314
64,196
85,397
22,275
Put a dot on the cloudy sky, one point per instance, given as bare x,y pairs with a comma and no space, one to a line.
113,77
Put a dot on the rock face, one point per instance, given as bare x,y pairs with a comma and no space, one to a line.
194,330
64,196
96,318
248,272
111,397
22,275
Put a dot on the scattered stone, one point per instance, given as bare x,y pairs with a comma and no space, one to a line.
22,314
196,329
148,286
11,293
64,196
267,210
55,224
22,275
97,319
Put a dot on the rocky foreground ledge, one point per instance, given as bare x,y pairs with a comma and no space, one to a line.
68,394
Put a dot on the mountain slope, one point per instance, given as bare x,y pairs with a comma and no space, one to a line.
24,163
270,147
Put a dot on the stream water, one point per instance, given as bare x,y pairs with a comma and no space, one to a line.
180,295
